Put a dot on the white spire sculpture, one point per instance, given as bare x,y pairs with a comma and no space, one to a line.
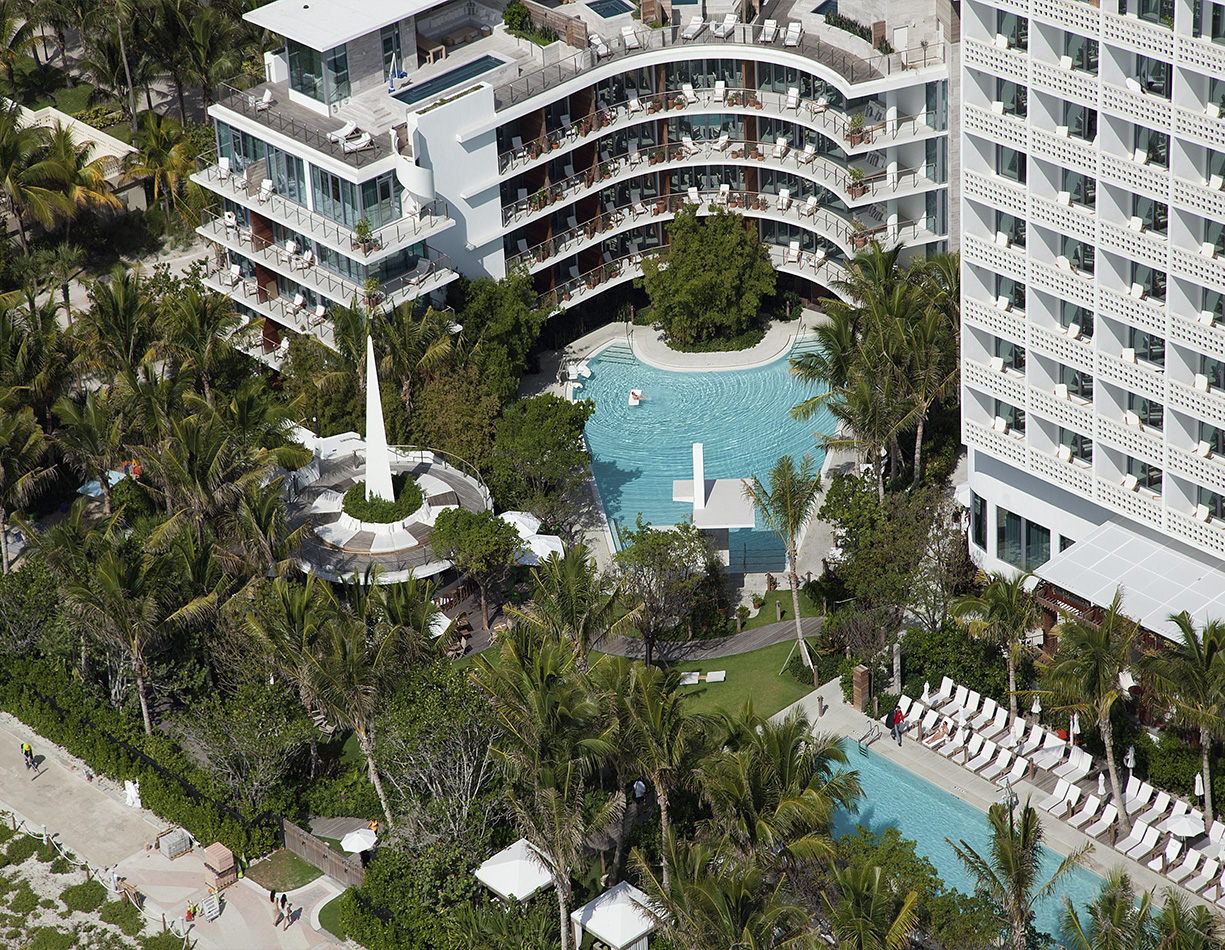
378,460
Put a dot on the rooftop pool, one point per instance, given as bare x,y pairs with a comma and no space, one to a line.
895,797
416,92
741,416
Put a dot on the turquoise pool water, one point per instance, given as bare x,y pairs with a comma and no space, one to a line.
895,797
741,416
414,93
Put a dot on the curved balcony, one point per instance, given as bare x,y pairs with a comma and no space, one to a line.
839,64
815,114
874,185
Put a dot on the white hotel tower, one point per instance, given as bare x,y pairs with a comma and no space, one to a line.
398,143
1093,313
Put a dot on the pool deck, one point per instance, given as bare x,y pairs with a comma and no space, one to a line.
840,717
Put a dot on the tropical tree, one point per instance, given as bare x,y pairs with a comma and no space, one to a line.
480,544
118,605
82,178
199,327
411,346
1008,873
1116,919
259,541
929,343
869,914
118,331
164,156
573,602
92,436
1181,924
16,35
30,176
1083,677
786,506
34,357
1004,613
1188,677
23,448
211,50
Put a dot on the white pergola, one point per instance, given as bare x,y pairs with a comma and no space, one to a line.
618,918
516,873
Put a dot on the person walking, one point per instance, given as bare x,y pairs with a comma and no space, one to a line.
282,915
288,915
27,752
896,719
272,901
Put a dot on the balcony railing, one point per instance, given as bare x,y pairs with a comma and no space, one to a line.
851,67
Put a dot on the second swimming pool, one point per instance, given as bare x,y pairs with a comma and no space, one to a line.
416,92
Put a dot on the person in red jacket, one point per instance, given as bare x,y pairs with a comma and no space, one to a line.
896,724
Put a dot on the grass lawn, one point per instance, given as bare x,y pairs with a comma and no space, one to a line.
782,596
329,917
753,675
283,871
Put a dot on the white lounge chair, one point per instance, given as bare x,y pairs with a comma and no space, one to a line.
946,732
362,142
299,301
691,96
265,190
784,199
1019,767
693,196
716,676
264,102
780,147
793,252
1186,869
635,105
809,208
1207,876
690,678
997,729
1052,752
769,31
984,757
793,98
944,694
806,156
1166,859
1079,764
1036,737
958,702
690,146
1133,803
720,92
725,194
223,168
235,274
693,28
630,38
1016,734
1216,840
721,142
985,715
926,724
1156,812
998,767
1087,811
1138,830
346,131
305,261
635,156
1103,824
725,28
794,30
958,737
1147,845
1056,798
905,704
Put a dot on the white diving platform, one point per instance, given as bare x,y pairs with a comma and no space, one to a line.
721,503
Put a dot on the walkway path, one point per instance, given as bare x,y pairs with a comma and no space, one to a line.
688,651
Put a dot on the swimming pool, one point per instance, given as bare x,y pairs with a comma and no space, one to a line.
416,92
741,417
609,8
894,797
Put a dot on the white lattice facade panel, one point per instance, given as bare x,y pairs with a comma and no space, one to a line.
1069,414
1010,448
1132,176
1132,440
1185,329
1209,535
989,58
999,384
1061,283
994,192
1138,36
1131,376
1069,14
1070,153
1002,323
1209,202
1001,129
1066,219
1074,87
1068,474
1135,106
1141,506
1134,245
1209,406
1207,472
1200,54
999,260
1199,127
1139,313
1077,354
1209,271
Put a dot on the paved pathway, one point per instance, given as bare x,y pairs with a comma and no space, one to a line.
675,651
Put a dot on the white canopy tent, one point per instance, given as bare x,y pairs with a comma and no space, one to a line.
536,547
526,523
618,917
516,873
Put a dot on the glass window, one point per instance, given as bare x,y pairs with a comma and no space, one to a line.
1011,226
1037,545
1214,502
1009,163
1065,543
1146,475
978,520
1151,412
1008,538
1152,147
1154,215
1011,353
1012,415
1011,289
1157,11
1214,436
1013,95
1214,303
1081,188
1080,120
1015,28
338,74
1216,26
305,70
1152,279
1074,314
392,57
1081,257
1079,383
1082,51
1214,234
1213,369
1081,446
1153,76
1147,346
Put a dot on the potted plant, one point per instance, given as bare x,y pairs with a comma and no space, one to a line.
855,129
857,187
372,292
361,235
859,235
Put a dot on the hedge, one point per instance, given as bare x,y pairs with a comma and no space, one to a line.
59,709
379,510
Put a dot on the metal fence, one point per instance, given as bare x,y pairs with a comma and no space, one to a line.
344,868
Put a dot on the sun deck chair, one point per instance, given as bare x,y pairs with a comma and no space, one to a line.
984,757
1016,734
997,728
693,196
1087,811
927,723
321,314
691,96
721,142
690,146
690,679
1138,830
346,131
1143,795
794,30
784,199
725,28
264,102
362,142
630,38
1079,764
265,190
999,766
693,28
305,261
1207,876
806,156
793,252
1216,840
1167,857
223,168
716,676
1186,869
230,219
954,740
780,147
1051,753
1056,798
1070,802
944,694
973,747
720,92
235,274
639,208
809,208
725,193
769,31
1019,767
635,105
1157,810
299,301
957,703
945,732
986,714
1103,824
1147,844
793,98
905,704
820,104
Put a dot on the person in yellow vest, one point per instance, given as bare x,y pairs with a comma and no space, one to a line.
27,752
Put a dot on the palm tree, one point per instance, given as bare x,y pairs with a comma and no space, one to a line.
199,328
23,447
34,357
409,607
66,263
786,507
169,25
869,914
411,346
1188,677
573,601
164,155
1004,613
1183,925
83,179
665,739
931,371
210,50
30,177
1117,921
114,16
1084,675
118,605
1009,872
16,35
92,437
831,364
118,331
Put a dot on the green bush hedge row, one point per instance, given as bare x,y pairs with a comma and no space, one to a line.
60,710
377,510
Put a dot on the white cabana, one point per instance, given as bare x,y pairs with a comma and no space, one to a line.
526,523
618,917
538,548
516,873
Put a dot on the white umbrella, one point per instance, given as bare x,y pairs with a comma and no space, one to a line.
524,522
1199,783
439,624
1130,759
1185,825
1075,724
1036,708
361,840
1101,784
927,692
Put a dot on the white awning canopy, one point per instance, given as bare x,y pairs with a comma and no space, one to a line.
1157,575
515,873
618,917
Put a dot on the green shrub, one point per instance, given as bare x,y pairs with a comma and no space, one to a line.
854,27
125,915
21,848
378,510
162,941
25,901
6,831
85,897
51,938
131,495
62,865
